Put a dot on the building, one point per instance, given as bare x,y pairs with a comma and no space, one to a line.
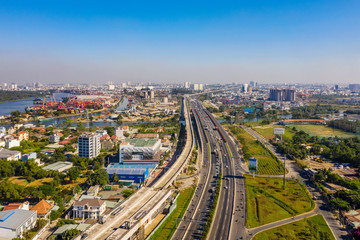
136,173
23,135
27,156
12,142
2,131
102,132
119,132
9,154
43,208
201,87
93,190
59,166
23,206
55,138
245,87
282,94
88,208
13,223
196,86
354,87
89,145
139,150
187,84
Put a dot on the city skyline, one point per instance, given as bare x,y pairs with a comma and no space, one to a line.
162,42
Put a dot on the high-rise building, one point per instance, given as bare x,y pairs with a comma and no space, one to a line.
13,86
196,86
187,85
201,87
245,87
89,145
354,87
282,94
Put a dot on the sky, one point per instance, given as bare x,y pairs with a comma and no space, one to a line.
268,41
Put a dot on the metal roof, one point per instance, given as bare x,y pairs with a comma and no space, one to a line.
12,219
142,142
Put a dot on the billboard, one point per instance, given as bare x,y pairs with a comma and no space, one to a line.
249,110
253,164
279,131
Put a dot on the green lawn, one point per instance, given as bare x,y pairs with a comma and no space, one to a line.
306,229
267,131
322,131
268,202
267,163
168,227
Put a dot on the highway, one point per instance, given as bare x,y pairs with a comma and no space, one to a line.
230,216
192,224
229,220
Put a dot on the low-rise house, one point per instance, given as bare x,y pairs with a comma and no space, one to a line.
48,152
27,156
23,206
9,154
13,223
43,208
12,142
107,145
351,218
93,190
102,132
88,208
23,135
55,138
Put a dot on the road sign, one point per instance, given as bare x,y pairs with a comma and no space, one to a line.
249,110
279,131
253,164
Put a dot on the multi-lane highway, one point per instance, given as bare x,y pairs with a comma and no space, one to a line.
219,154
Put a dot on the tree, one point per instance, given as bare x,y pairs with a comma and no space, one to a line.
99,177
339,204
115,178
70,234
127,192
80,127
73,174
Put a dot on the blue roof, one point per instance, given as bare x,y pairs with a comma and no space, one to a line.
127,171
132,166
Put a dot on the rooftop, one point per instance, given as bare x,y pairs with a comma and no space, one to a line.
90,202
142,142
14,218
42,207
58,166
5,153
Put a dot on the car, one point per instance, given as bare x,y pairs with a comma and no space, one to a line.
226,187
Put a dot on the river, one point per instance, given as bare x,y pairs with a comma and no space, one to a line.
20,105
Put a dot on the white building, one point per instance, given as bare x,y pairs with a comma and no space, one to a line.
196,86
12,142
89,145
102,132
55,138
119,132
187,85
89,208
2,131
139,150
245,87
201,87
13,223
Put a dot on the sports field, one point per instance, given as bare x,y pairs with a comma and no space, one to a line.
323,131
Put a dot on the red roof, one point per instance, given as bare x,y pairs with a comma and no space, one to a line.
42,207
64,142
11,206
304,120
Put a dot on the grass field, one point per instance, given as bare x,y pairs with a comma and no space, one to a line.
323,131
306,229
267,131
268,202
22,181
168,227
267,163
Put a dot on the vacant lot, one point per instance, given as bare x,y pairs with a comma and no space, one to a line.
268,201
267,163
322,131
306,229
267,131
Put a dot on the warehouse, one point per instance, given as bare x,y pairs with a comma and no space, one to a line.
135,173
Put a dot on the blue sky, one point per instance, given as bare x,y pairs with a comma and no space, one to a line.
176,41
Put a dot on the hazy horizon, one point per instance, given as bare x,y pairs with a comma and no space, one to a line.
165,42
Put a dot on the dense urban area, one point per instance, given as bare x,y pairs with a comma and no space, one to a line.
179,161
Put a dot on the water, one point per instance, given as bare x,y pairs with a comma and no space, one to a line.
58,122
7,107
